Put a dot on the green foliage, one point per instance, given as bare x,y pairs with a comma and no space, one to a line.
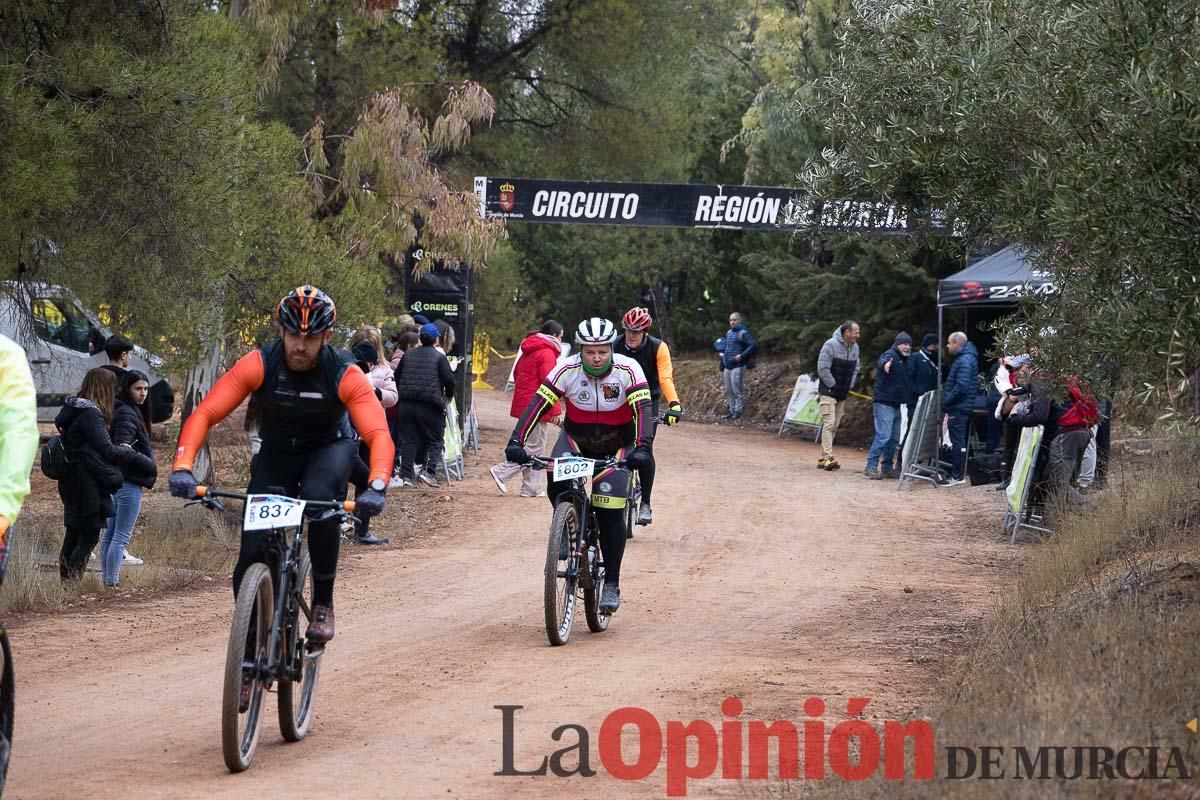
1062,126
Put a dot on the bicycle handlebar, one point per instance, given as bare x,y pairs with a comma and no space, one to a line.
208,496
537,462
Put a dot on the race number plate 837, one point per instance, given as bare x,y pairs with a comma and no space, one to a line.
266,512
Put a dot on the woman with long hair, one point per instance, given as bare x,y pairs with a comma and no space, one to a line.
130,428
86,490
367,348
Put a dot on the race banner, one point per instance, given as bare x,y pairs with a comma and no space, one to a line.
1022,473
803,408
678,205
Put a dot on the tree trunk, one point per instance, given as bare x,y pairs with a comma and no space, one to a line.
200,380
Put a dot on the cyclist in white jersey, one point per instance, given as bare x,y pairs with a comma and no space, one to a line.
607,403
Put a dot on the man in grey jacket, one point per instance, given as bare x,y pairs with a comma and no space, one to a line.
837,369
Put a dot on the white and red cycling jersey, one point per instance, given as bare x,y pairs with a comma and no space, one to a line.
600,411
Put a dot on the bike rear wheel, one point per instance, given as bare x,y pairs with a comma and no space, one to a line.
561,575
631,505
255,604
297,698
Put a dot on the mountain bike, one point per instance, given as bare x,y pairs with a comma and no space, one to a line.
267,644
576,569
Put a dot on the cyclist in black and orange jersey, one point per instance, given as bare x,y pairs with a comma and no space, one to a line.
304,389
606,402
654,357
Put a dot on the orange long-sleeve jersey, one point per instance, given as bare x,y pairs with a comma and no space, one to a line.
247,375
666,373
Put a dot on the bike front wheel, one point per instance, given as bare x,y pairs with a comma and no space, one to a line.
249,643
298,695
6,708
562,573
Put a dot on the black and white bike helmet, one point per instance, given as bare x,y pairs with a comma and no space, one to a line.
595,331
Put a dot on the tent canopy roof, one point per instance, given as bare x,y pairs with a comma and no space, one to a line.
1002,278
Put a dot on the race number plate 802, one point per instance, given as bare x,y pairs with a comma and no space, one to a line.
572,467
266,512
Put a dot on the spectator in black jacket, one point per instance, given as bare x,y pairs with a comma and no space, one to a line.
923,367
892,390
93,476
425,384
130,428
117,348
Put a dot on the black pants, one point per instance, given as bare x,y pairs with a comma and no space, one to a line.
319,474
77,546
610,520
422,426
646,473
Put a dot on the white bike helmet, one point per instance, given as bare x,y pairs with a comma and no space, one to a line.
595,331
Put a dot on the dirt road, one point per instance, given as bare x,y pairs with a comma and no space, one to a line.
770,589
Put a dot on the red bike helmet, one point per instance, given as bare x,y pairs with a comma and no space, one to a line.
306,310
637,319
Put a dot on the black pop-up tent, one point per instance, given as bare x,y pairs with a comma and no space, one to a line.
994,282
1002,278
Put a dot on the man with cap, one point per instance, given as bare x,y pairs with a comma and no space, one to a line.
892,390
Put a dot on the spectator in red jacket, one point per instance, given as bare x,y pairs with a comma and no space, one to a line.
539,353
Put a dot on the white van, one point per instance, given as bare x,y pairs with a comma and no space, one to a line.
63,340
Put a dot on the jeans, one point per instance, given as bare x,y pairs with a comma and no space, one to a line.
128,504
887,435
734,394
958,443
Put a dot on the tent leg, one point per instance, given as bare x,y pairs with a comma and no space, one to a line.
940,364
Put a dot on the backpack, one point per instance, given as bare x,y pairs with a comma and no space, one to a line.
752,361
54,459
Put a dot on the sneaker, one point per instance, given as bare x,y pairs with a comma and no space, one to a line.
499,483
873,473
953,482
832,464
396,482
890,473
130,560
369,538
320,628
347,528
610,598
427,478
533,494
645,515
822,462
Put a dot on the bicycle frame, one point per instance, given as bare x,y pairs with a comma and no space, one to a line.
283,559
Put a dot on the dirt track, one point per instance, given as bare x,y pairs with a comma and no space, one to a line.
770,590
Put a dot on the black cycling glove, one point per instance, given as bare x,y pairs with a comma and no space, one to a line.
516,453
639,458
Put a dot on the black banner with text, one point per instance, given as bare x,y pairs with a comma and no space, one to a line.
680,205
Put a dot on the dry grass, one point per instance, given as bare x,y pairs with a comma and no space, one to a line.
1096,645
180,546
